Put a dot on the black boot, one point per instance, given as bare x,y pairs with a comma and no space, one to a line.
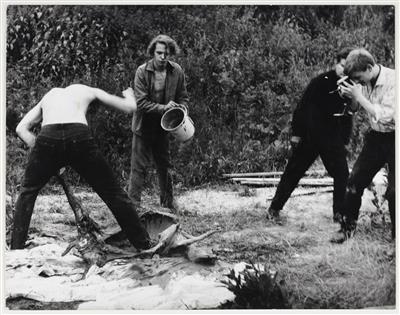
273,215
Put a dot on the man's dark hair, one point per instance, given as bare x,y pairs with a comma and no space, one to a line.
167,41
343,53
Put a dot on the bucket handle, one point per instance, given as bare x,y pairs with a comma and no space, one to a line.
186,113
184,109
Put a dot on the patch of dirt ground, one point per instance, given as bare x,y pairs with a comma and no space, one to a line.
316,274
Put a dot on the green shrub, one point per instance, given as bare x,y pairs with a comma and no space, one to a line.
255,288
246,69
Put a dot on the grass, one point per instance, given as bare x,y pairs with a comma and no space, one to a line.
356,274
317,274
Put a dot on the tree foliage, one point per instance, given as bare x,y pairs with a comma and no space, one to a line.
246,69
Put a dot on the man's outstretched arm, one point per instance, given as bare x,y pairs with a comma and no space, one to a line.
126,104
23,130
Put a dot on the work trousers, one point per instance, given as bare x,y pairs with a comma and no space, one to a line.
378,150
146,149
333,156
71,144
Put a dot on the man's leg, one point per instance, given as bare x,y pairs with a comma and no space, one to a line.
333,155
391,189
40,167
391,198
368,163
299,162
89,163
140,159
162,160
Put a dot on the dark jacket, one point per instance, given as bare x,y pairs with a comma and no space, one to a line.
314,117
146,119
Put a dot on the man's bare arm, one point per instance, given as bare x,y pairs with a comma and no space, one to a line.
126,104
23,130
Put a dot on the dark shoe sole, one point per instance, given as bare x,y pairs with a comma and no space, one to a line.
338,240
342,238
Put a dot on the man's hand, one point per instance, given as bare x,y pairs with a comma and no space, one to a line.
295,140
29,139
294,143
350,90
172,104
128,92
129,95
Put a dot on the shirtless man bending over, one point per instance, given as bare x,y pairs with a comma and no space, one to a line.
65,139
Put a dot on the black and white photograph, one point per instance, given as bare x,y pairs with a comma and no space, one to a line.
186,156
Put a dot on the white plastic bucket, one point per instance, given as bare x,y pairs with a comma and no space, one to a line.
177,121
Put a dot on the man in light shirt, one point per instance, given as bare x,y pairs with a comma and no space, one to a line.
65,139
373,88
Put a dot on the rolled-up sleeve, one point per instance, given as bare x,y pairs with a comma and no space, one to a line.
385,110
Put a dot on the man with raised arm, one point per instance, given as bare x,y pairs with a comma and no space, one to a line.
65,139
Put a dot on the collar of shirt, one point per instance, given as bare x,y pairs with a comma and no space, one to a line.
150,66
383,76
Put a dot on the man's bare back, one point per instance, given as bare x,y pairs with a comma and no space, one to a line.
66,105
66,140
69,105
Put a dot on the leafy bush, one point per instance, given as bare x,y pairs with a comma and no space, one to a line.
246,69
255,288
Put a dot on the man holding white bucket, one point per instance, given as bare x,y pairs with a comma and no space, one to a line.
159,85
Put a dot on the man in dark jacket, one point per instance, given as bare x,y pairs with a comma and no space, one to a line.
321,126
159,85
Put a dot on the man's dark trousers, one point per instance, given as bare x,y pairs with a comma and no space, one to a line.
145,149
378,149
59,145
333,156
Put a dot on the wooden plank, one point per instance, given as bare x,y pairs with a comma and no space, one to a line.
267,174
260,174
306,180
297,193
274,181
275,184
